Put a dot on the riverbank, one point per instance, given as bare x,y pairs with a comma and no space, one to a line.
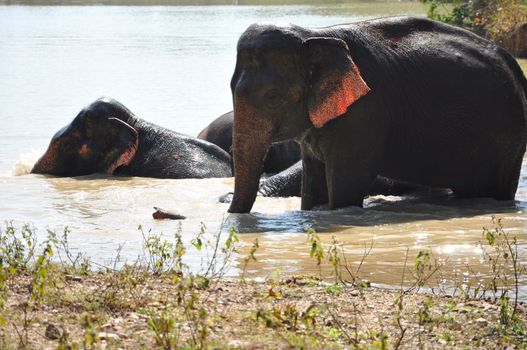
54,298
133,310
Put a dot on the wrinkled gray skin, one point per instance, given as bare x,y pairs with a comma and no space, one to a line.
283,161
95,141
280,156
106,137
404,98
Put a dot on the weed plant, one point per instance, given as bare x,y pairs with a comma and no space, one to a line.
186,311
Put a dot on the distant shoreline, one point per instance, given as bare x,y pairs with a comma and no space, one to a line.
171,2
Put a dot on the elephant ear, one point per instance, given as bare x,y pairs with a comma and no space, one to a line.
334,81
123,143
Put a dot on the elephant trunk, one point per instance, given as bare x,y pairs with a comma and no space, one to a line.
46,163
251,140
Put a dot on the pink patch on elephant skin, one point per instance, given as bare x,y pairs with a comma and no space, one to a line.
349,89
125,158
84,151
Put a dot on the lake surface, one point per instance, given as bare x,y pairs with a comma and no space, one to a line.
172,66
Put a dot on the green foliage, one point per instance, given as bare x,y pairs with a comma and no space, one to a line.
334,289
424,312
504,16
188,309
504,261
17,249
76,263
316,250
218,258
3,286
232,238
456,12
250,257
333,333
40,273
3,298
197,241
494,19
334,257
90,337
422,262
379,340
423,268
161,255
163,325
288,317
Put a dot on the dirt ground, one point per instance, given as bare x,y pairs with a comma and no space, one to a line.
138,310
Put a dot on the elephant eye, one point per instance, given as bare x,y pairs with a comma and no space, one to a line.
273,99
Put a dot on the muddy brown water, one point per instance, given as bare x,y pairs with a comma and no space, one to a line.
171,66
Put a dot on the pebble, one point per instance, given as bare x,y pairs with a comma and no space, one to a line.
490,307
73,278
134,316
108,336
354,293
52,332
481,321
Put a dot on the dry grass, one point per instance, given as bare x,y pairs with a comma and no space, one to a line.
294,313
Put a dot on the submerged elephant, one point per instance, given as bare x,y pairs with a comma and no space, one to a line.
279,157
106,137
406,98
288,183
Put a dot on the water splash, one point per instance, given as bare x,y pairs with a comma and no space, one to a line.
25,163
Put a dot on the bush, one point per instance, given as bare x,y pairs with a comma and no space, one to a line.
503,21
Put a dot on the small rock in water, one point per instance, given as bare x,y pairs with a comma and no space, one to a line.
52,332
226,198
160,214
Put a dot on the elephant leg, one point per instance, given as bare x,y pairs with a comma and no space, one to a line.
346,187
508,176
314,187
350,174
497,179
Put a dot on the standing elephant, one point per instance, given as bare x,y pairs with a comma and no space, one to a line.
106,137
405,98
280,156
287,178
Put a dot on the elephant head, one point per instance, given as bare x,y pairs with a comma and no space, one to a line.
100,139
286,81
